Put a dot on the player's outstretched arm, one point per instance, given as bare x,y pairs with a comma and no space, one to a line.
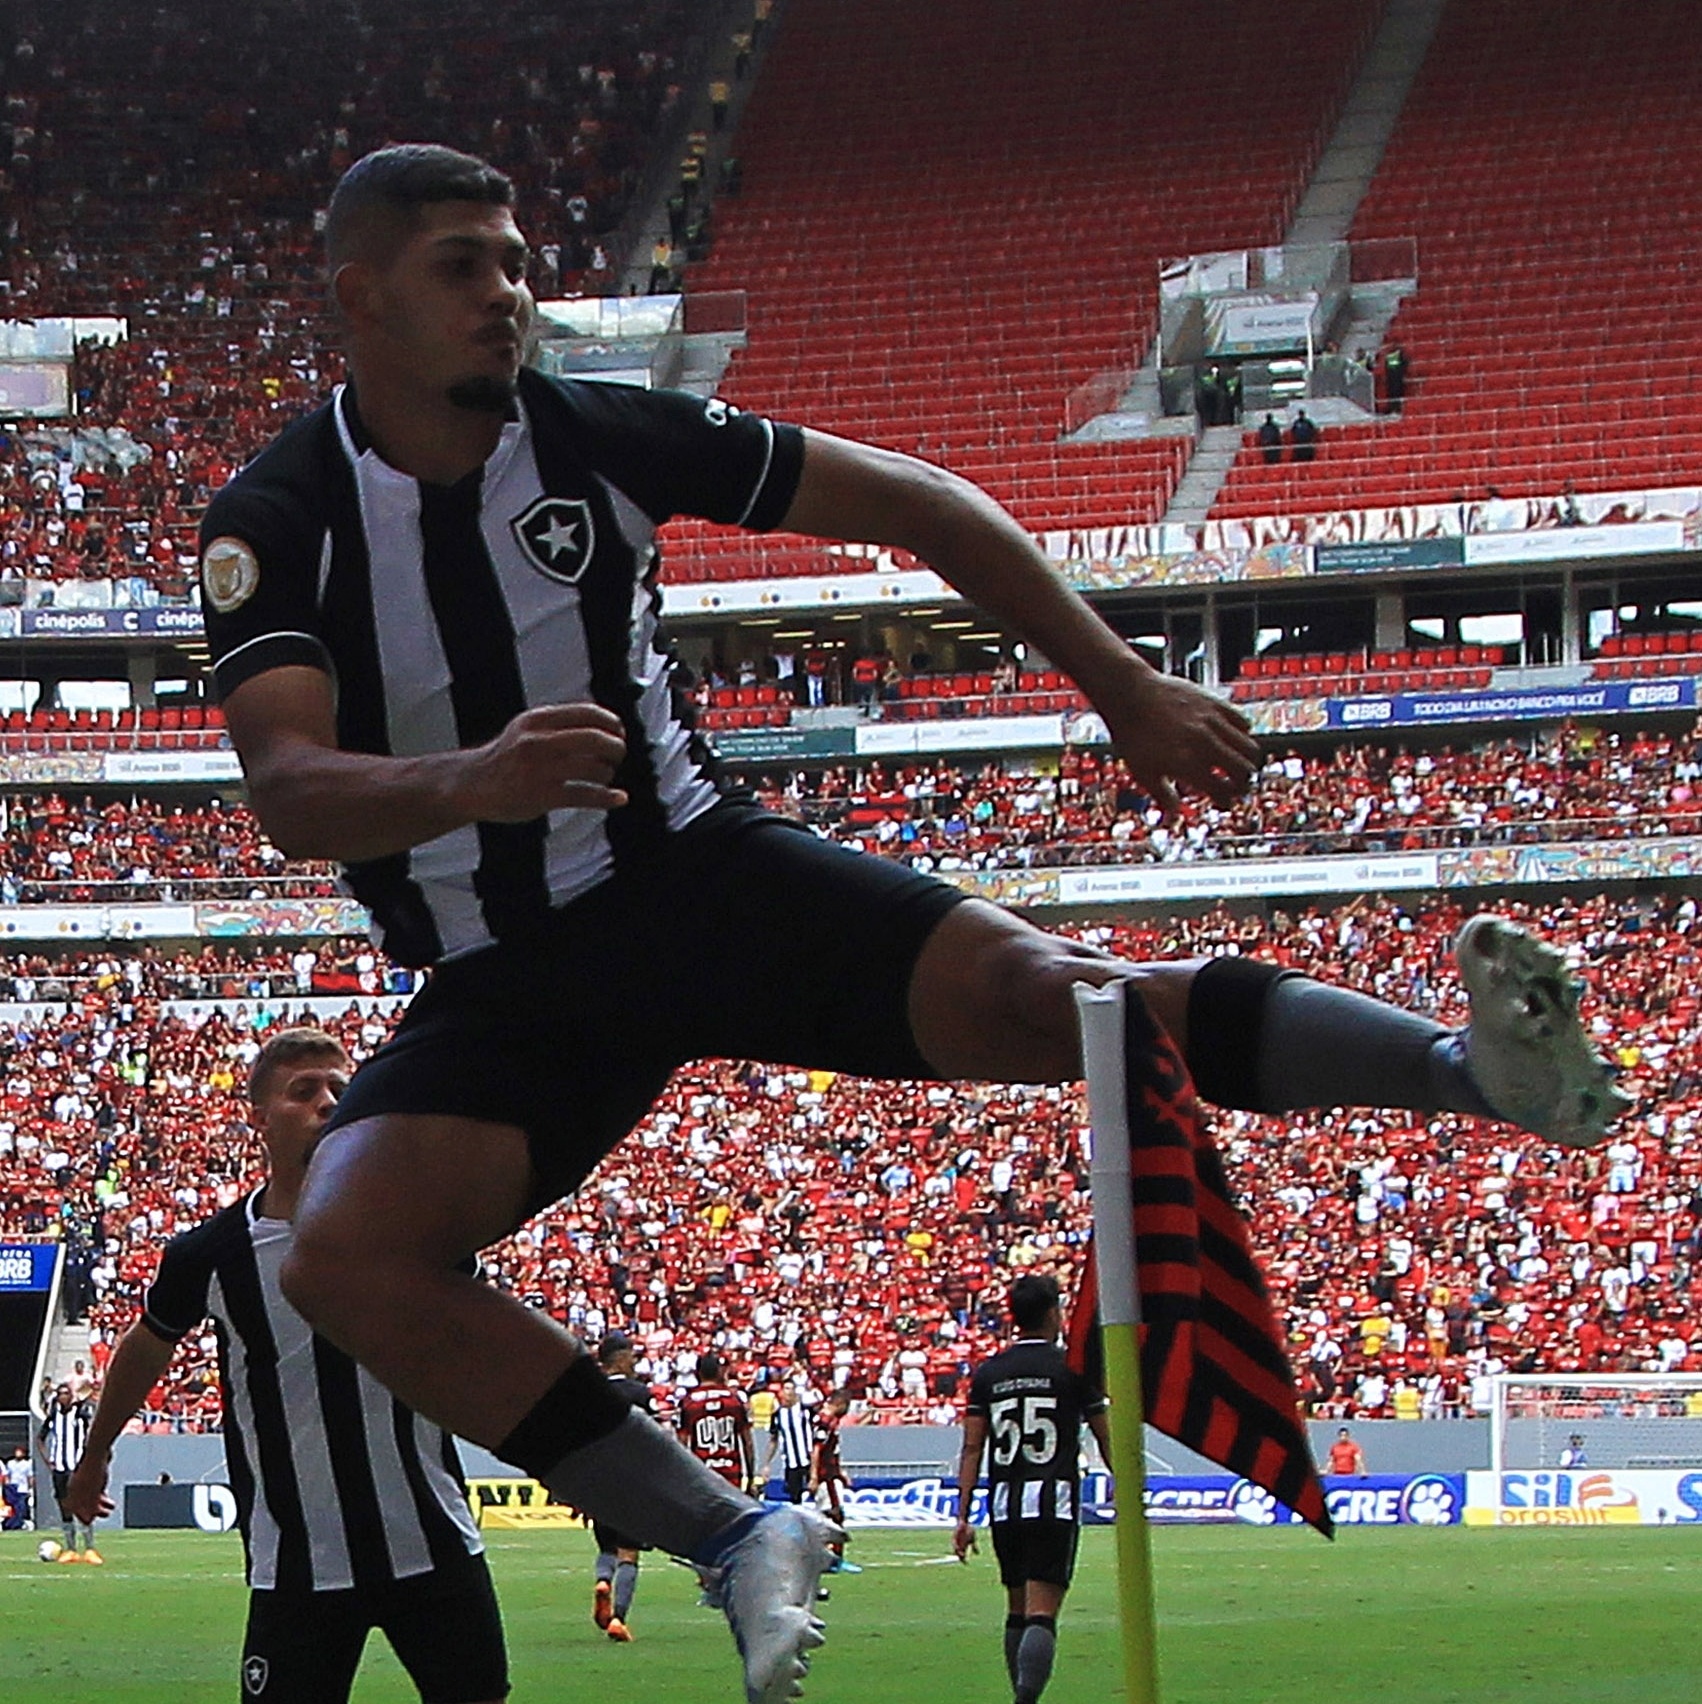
1170,732
968,1472
137,1365
318,802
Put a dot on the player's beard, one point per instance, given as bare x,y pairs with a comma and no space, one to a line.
484,394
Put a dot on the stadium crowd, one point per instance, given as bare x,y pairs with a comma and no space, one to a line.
226,315
858,1233
1576,784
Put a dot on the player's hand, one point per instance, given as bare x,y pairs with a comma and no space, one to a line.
557,756
85,1491
963,1540
1176,736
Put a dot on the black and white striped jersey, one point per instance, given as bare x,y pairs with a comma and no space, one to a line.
63,1434
795,1430
442,612
1034,1406
337,1484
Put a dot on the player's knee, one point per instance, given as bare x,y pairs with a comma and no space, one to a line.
306,1278
323,1282
1026,984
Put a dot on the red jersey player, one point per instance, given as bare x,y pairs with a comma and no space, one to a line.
716,1425
827,1473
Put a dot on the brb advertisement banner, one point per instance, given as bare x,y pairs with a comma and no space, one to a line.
1587,1497
1414,709
27,1266
1426,1499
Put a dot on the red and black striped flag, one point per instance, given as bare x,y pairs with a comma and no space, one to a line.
1214,1372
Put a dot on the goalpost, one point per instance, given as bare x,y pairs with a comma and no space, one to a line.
1545,1421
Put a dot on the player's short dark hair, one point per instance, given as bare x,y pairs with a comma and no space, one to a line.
379,199
708,1367
291,1047
1033,1296
616,1343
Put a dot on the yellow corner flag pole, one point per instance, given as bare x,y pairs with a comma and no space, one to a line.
1100,1012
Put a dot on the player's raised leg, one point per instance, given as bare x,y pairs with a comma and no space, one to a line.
990,998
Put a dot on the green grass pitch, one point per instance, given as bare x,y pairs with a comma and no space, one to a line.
1599,1616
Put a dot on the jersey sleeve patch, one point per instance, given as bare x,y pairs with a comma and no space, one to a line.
230,574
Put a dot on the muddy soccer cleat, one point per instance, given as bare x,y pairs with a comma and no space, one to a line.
768,1583
1525,1048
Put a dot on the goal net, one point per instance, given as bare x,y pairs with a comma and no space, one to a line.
1556,1420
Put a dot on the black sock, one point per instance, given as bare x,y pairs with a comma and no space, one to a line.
1014,1625
1264,1039
1034,1656
626,1583
580,1408
595,1452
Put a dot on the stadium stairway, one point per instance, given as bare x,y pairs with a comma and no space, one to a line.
1323,215
1368,120
66,1346
1207,470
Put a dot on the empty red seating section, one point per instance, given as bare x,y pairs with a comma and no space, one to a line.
1632,656
1548,163
174,728
953,216
1337,674
925,697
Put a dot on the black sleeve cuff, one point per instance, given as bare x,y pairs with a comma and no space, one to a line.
269,651
780,480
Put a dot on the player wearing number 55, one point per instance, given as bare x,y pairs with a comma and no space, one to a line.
1031,1407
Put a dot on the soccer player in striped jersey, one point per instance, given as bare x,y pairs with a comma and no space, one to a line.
61,1439
352,1508
433,606
1031,1407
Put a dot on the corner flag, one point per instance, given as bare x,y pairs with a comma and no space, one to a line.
1212,1363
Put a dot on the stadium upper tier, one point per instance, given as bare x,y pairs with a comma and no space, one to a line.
949,223
1546,162
867,1231
166,168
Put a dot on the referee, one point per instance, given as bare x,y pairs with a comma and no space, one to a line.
64,1430
791,1436
1031,1407
352,1508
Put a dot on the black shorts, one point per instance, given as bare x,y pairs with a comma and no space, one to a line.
609,1541
1035,1550
797,1484
445,1628
743,937
61,1477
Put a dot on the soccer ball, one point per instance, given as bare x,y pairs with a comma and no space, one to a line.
49,1549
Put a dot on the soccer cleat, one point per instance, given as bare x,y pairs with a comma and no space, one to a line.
768,1582
1525,1048
68,1555
95,1557
618,1631
841,1566
603,1605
